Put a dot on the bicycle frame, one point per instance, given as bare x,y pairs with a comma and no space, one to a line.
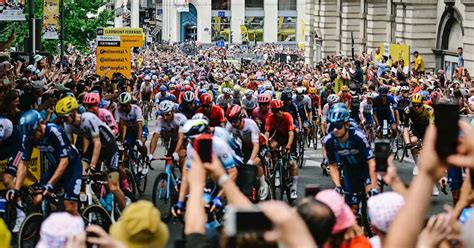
169,176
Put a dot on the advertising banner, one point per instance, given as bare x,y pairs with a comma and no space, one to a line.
113,59
396,51
33,174
51,19
12,10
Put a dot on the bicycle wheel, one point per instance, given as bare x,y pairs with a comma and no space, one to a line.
276,182
140,179
97,215
400,148
162,196
132,184
365,218
300,153
29,233
271,190
315,136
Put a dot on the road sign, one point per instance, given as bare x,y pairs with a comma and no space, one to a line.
120,31
221,14
109,41
131,41
113,59
220,43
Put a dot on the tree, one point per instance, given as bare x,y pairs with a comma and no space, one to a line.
78,28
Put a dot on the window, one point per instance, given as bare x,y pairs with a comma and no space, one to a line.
287,28
254,4
220,4
286,4
220,28
254,26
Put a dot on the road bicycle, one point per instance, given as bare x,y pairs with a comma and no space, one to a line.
165,189
281,179
137,173
300,148
362,216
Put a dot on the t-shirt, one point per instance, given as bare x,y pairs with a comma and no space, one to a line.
282,125
215,116
419,65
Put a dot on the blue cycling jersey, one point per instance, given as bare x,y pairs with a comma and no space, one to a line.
189,112
54,145
384,107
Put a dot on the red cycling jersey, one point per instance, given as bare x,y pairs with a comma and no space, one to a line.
216,115
347,98
282,125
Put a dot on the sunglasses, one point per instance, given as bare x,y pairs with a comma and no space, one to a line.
166,114
263,104
416,105
337,125
234,120
89,106
206,106
276,110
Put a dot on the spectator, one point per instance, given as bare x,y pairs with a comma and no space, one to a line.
57,228
140,226
460,57
319,219
419,64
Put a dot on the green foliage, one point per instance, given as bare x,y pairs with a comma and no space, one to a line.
78,29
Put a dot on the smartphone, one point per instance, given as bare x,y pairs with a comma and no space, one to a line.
446,121
245,221
471,174
203,146
312,190
382,152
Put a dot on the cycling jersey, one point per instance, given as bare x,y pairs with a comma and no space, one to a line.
248,134
234,142
419,121
366,110
184,108
303,104
220,148
160,97
224,101
107,117
345,98
130,119
10,145
282,125
353,156
172,127
258,115
293,110
383,110
402,104
249,103
325,113
92,127
236,98
215,116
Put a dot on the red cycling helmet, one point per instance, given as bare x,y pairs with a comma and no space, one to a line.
277,104
187,88
264,98
178,87
91,98
234,112
205,99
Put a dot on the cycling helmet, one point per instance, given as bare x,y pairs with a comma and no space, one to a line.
178,87
226,91
66,105
166,106
382,90
200,116
125,98
405,88
205,99
237,88
312,90
188,88
202,91
286,96
195,127
234,112
188,96
163,88
268,86
277,104
91,98
171,86
6,129
29,121
417,98
394,89
370,95
205,86
425,94
264,98
304,82
344,88
249,92
338,114
333,98
147,78
154,77
300,90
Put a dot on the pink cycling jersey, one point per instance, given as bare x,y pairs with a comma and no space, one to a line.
108,118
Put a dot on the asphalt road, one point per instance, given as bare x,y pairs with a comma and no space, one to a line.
311,173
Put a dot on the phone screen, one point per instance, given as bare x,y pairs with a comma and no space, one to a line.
446,121
203,146
382,152
252,221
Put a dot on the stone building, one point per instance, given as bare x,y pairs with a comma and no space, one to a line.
435,28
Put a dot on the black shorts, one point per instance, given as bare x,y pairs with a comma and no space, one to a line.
109,153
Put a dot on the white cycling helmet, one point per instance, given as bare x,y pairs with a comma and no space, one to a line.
125,98
300,90
6,129
268,86
154,77
166,106
147,78
199,116
226,91
370,95
188,96
249,92
405,88
333,98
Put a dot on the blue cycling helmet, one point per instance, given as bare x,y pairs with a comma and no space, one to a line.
339,105
163,88
286,96
337,115
29,121
202,91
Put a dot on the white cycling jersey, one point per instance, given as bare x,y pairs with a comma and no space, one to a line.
325,113
91,127
131,118
249,103
146,89
249,133
220,148
365,107
175,125
224,101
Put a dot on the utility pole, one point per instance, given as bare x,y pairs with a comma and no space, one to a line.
62,31
32,29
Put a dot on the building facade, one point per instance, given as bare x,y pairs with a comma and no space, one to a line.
435,28
209,21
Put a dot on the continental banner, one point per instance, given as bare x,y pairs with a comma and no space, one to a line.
33,174
12,10
50,19
113,59
396,51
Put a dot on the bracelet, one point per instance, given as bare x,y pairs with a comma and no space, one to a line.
223,179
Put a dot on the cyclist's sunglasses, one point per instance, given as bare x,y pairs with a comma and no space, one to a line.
416,105
337,125
166,114
89,106
263,103
206,106
234,120
276,110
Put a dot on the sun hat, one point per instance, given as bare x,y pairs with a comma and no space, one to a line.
344,215
383,208
56,229
37,58
140,226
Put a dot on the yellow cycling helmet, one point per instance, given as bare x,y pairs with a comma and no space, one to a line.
304,82
312,90
417,98
66,105
344,88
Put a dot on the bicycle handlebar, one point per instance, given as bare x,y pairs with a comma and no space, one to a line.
162,158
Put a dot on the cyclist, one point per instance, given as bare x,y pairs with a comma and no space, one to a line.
10,147
146,93
260,113
225,99
98,142
324,112
162,95
237,95
130,116
62,156
290,107
303,102
249,101
348,146
403,101
91,102
345,97
214,113
190,105
280,126
313,95
247,131
366,110
169,124
385,108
